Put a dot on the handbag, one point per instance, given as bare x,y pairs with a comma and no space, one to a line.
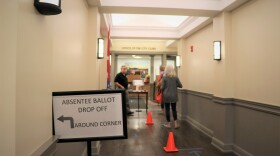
159,93
159,96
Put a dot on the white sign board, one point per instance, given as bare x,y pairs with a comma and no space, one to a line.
89,115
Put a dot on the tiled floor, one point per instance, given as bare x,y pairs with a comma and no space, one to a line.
144,140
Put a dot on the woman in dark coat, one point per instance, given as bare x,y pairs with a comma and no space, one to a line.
170,82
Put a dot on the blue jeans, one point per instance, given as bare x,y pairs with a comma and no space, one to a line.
167,111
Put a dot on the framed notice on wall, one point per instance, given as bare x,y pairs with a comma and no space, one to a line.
89,115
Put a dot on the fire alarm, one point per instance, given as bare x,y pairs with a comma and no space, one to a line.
191,48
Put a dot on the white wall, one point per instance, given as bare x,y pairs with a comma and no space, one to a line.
198,65
42,54
33,83
256,36
70,51
93,65
249,69
103,67
8,49
75,63
223,70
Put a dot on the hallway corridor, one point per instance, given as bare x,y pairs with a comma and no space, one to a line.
149,140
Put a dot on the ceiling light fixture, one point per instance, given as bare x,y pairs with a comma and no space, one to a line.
137,57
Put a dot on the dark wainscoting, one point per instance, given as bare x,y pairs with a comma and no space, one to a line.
243,127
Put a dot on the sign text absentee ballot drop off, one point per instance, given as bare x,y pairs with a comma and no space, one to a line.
89,116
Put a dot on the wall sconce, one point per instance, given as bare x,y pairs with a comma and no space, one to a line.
217,50
178,61
48,7
100,50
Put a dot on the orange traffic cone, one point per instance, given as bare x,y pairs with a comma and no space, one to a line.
170,146
149,120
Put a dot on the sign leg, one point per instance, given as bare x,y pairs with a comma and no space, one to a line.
138,105
89,148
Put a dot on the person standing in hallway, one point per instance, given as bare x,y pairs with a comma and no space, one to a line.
170,82
122,83
159,83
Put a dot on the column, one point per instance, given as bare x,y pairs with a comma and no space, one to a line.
224,74
152,69
164,59
182,50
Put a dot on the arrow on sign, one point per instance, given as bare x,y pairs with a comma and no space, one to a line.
62,118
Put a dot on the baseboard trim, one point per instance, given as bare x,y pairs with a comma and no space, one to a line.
226,148
95,147
85,151
182,117
48,148
240,152
200,127
227,103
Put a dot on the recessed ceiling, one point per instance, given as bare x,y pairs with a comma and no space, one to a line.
142,20
159,19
